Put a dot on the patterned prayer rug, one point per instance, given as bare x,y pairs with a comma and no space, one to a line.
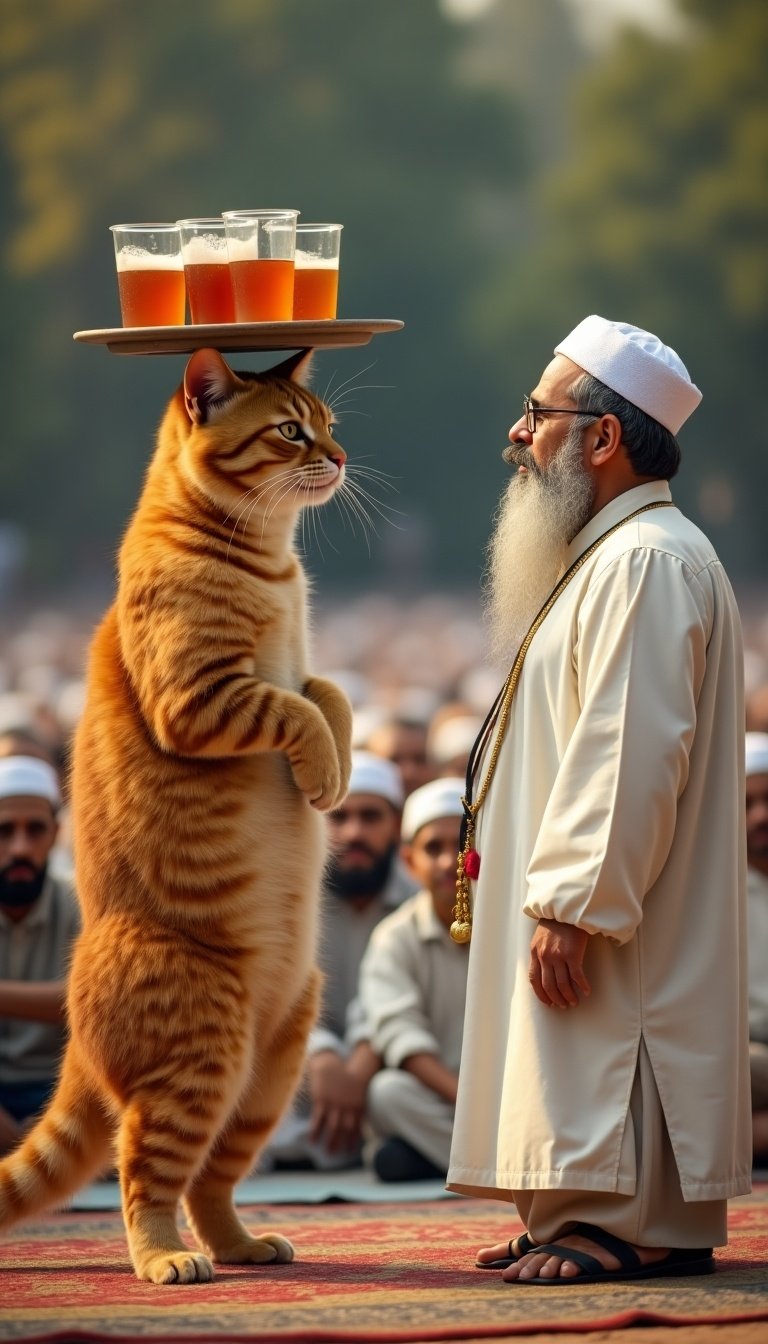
399,1272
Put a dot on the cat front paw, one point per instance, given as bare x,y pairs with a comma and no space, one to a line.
336,708
318,782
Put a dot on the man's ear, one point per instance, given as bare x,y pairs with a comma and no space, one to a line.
604,440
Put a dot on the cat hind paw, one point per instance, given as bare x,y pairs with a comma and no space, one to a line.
176,1267
267,1249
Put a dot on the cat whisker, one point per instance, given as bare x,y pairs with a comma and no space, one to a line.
273,486
340,397
350,515
354,502
348,411
291,487
384,510
380,477
348,380
254,489
259,492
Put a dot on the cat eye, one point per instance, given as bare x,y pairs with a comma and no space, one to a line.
292,430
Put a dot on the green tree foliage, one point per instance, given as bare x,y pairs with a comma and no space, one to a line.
658,214
346,111
495,184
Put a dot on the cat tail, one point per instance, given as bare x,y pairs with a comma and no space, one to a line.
70,1144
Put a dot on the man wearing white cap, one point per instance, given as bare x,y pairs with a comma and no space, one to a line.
364,882
413,982
604,1086
39,920
757,898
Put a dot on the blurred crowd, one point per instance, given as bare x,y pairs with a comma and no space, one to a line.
382,1066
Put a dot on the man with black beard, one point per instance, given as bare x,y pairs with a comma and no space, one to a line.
38,921
364,882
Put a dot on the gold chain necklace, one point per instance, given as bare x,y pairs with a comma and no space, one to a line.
469,860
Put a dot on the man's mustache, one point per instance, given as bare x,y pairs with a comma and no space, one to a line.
518,455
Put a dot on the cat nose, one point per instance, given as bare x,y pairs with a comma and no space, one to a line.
338,457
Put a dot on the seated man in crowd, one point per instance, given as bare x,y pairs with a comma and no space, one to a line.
413,983
757,915
364,881
39,920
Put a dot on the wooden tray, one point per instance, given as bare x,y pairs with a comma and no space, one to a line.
229,336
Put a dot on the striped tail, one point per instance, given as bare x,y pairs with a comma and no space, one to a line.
70,1144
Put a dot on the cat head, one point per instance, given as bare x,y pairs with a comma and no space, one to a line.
265,435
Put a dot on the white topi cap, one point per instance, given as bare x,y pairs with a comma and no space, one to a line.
375,774
756,753
440,798
635,364
28,777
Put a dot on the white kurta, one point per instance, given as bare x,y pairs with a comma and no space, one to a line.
618,806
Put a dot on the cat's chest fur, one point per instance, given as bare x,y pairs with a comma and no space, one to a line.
279,635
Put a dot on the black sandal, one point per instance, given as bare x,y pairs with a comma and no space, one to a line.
524,1247
676,1263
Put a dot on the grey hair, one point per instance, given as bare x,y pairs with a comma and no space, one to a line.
651,449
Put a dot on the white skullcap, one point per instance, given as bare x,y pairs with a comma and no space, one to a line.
27,777
375,774
439,798
757,753
635,364
454,737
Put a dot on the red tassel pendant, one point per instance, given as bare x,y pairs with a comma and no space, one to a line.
472,864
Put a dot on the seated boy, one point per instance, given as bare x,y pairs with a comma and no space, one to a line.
412,988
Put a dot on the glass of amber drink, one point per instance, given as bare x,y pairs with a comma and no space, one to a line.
316,280
206,269
150,274
261,246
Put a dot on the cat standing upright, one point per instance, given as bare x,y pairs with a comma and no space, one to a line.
203,761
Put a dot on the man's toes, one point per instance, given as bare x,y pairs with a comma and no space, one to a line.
567,1269
488,1253
529,1267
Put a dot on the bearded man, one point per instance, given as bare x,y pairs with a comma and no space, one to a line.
604,1084
39,921
364,881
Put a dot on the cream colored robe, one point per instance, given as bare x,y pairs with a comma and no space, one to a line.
617,806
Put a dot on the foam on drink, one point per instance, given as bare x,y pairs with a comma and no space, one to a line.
316,287
209,283
151,288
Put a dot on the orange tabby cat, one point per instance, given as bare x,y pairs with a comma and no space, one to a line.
204,758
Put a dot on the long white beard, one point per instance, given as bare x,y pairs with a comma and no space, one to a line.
539,515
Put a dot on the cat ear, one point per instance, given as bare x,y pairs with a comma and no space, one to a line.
296,369
208,380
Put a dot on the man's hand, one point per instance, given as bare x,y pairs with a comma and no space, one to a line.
557,955
338,1101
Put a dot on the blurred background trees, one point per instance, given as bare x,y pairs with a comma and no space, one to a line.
498,175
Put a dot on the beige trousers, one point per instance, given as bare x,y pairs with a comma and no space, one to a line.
657,1214
399,1105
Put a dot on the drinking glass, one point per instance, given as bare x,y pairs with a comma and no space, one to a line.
316,280
261,246
150,274
206,269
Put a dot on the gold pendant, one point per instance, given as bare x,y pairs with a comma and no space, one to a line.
461,928
461,931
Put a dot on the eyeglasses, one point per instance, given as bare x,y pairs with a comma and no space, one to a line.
531,412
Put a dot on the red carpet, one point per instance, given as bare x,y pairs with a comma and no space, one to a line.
363,1272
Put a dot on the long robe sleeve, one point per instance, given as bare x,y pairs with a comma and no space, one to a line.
640,657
